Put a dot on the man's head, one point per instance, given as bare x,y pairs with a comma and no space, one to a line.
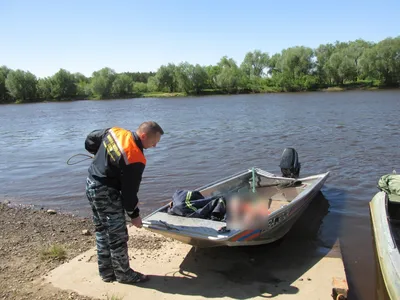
149,133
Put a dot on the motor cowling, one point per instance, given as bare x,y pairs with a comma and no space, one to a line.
290,165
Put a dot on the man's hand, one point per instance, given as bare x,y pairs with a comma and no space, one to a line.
137,222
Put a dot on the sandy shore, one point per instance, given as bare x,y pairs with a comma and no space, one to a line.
26,234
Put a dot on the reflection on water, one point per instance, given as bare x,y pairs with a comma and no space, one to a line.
353,135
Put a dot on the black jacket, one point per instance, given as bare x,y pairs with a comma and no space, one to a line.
119,163
192,204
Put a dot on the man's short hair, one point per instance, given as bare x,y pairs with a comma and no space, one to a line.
150,127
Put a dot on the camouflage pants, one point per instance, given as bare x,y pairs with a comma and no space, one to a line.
111,232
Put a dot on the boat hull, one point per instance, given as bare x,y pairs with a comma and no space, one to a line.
278,223
386,248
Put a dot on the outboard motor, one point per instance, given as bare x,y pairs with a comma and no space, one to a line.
290,165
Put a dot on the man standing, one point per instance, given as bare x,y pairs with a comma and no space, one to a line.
112,186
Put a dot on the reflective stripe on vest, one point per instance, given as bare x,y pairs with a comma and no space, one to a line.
123,144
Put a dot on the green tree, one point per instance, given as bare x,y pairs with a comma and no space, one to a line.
292,68
182,75
82,83
166,78
140,76
230,79
101,82
152,84
253,69
63,85
140,87
273,64
21,85
44,86
3,90
5,97
323,54
212,74
355,51
198,75
122,85
341,66
191,78
254,64
296,61
382,61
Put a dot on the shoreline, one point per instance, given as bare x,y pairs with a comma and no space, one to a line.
164,95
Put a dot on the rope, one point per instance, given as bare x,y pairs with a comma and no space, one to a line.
87,157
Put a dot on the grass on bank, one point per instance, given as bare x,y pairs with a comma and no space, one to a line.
55,251
358,85
163,95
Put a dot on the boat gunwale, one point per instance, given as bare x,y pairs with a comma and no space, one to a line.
239,174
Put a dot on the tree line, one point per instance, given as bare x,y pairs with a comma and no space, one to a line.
294,69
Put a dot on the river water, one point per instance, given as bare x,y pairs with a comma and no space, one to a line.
354,135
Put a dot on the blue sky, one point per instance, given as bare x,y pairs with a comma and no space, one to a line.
85,35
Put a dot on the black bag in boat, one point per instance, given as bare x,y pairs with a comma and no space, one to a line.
290,165
192,204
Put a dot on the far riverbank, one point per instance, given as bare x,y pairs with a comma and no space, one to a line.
215,92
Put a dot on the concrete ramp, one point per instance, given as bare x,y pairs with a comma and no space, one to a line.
286,270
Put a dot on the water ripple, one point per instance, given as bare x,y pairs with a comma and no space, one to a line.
349,134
